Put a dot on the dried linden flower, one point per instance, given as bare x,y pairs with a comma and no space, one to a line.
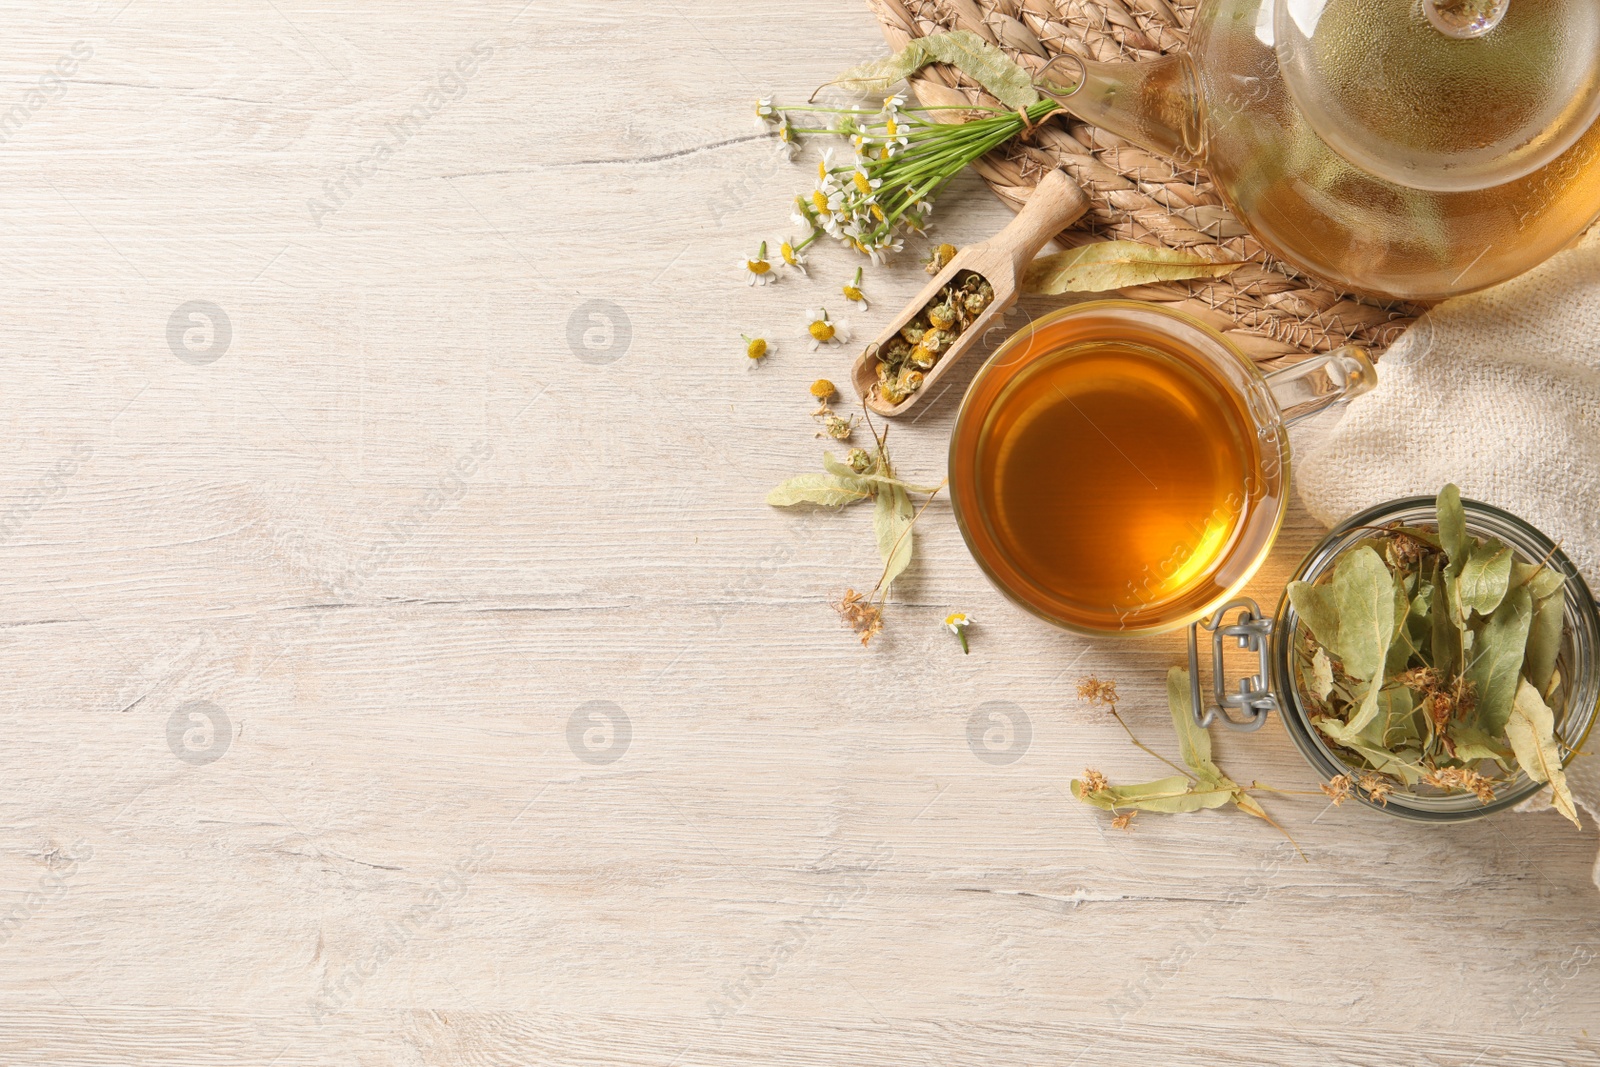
1377,789
1337,789
1094,781
1097,692
1452,778
860,614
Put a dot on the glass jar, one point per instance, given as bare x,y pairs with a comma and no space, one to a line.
1275,688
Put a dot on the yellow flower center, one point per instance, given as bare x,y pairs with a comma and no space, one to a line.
877,213
892,128
756,348
785,133
822,389
822,170
822,330
787,251
757,266
820,201
861,182
852,293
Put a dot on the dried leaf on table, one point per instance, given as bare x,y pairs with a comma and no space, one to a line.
979,60
828,490
891,521
1171,795
1106,265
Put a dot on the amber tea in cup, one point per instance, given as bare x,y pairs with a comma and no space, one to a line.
1121,468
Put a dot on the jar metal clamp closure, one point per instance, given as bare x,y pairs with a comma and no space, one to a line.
1255,699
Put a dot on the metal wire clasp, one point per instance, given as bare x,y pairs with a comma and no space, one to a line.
1254,698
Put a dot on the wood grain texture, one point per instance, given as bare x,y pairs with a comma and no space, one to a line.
407,524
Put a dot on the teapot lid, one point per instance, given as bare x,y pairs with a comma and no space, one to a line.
1444,95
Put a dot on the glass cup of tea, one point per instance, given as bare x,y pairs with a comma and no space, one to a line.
1122,468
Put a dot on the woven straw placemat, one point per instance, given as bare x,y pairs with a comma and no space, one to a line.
1270,310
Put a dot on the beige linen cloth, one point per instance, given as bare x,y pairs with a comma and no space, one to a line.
1499,392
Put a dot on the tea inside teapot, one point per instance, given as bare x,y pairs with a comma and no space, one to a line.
1442,96
1409,149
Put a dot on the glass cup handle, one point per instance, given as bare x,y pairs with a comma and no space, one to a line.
1313,384
1254,699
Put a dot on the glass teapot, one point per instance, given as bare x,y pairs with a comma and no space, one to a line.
1409,149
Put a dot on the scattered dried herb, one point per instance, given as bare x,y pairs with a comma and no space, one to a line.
864,475
1202,785
839,427
908,357
1106,265
1428,659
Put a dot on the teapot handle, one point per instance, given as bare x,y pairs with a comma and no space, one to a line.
1320,382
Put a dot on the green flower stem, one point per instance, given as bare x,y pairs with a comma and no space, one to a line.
933,153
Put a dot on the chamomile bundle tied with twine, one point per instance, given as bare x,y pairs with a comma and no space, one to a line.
1499,392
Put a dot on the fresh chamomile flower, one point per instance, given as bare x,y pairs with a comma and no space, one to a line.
917,216
804,213
894,138
893,104
757,348
791,256
826,198
886,247
822,330
791,143
823,390
852,291
839,202
759,270
864,183
957,623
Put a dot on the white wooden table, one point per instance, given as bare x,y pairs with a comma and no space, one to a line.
339,479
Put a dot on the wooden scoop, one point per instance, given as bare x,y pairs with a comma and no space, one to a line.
1056,203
